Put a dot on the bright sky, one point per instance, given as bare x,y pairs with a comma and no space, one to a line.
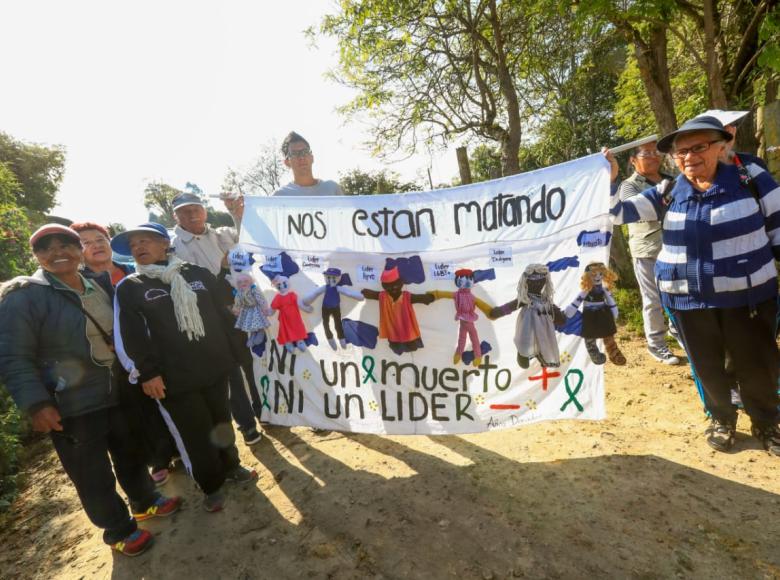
175,91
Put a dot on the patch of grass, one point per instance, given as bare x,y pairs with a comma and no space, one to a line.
630,309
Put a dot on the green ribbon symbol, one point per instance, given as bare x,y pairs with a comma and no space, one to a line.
573,393
368,363
265,383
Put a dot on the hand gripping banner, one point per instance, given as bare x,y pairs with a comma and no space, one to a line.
458,310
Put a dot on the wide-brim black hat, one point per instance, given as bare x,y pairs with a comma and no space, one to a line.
703,123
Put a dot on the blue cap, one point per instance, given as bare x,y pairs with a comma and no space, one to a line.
332,272
186,199
120,243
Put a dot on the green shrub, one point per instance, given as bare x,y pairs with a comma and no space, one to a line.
630,308
12,428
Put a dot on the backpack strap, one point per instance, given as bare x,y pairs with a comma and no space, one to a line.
746,179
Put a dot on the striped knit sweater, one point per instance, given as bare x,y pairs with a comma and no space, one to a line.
718,247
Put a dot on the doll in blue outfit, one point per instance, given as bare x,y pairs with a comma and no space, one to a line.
336,286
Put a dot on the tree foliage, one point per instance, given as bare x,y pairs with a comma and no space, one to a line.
15,228
485,163
633,113
429,71
262,177
38,171
728,44
359,182
158,199
29,178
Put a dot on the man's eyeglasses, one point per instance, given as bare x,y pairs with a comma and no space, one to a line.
698,148
299,153
647,154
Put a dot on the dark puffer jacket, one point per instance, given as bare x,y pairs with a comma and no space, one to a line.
45,356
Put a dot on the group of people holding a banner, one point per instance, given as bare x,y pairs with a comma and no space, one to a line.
147,365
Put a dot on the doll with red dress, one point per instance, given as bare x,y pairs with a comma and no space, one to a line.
292,332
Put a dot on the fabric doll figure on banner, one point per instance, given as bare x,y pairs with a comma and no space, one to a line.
250,308
336,285
466,315
397,321
599,312
292,332
535,326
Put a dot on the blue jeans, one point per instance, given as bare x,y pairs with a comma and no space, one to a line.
242,410
84,446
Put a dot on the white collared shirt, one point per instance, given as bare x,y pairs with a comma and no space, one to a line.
208,249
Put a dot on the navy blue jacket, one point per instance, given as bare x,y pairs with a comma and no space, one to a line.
719,246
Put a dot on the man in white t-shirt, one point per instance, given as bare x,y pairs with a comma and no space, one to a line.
298,157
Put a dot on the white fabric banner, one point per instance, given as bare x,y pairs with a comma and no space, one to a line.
381,349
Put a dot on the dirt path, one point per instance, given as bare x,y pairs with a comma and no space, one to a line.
639,495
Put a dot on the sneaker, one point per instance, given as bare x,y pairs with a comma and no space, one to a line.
161,508
720,436
135,544
664,355
241,475
321,432
214,502
252,437
160,477
769,437
672,333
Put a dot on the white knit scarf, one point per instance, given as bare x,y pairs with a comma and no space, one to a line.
185,301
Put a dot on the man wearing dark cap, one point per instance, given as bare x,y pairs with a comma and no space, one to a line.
196,242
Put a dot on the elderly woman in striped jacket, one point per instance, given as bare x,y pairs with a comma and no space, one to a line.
716,274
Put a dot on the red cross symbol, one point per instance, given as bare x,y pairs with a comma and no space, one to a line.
544,376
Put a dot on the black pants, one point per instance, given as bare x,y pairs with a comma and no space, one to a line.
83,447
146,424
709,334
334,314
201,417
243,409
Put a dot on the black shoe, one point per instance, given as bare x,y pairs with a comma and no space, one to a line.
252,437
720,436
769,437
321,432
241,475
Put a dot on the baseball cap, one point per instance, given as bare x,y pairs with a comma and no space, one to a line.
50,230
186,199
120,243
